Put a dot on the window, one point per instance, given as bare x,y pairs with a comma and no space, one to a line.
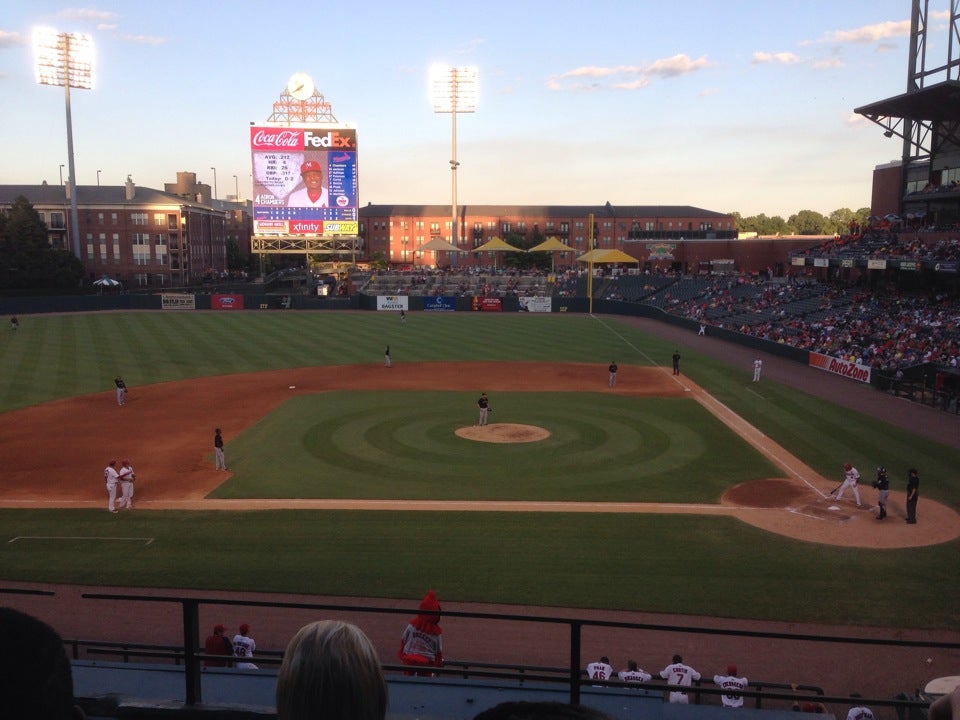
549,227
114,219
434,228
564,227
491,224
419,225
171,221
505,228
159,219
478,227
521,227
160,279
100,218
140,279
57,221
138,218
141,249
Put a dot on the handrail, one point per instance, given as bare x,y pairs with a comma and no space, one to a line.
571,675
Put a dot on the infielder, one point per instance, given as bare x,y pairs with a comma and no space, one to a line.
111,476
731,682
851,476
757,367
218,450
484,404
679,674
613,374
127,476
121,390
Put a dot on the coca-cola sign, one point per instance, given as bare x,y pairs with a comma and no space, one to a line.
269,138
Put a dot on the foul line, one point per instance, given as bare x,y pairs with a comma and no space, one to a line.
145,541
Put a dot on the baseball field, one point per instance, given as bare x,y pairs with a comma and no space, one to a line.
701,494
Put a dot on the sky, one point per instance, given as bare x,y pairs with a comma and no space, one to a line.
727,105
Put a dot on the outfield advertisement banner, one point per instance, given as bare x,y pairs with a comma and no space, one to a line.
393,302
535,304
444,304
852,370
486,304
177,301
226,302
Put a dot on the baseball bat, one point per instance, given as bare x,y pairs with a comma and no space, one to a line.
835,489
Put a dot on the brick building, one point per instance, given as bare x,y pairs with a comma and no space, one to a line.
397,232
140,236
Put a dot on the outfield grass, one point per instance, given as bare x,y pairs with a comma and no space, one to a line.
686,564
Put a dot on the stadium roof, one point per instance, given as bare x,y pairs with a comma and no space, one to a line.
938,102
608,210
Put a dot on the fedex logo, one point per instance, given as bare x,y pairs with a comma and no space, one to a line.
331,139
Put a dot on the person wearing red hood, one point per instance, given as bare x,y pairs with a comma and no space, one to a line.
420,644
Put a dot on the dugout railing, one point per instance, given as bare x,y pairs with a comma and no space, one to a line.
571,675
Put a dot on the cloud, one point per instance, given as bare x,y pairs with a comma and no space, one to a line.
12,39
143,39
88,14
870,33
626,77
780,58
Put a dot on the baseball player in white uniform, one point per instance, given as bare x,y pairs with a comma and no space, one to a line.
679,674
851,476
730,682
243,648
860,713
127,476
601,670
757,367
111,476
633,673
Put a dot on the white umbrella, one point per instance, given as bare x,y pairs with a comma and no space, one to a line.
107,282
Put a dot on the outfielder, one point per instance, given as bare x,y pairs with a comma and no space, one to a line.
612,382
110,476
757,367
851,476
218,450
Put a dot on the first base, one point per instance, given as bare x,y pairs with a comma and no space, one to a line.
293,387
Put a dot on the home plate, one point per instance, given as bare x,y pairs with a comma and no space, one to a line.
833,507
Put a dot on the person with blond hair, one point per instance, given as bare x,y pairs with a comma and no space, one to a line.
331,670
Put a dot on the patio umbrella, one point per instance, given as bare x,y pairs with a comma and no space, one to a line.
438,245
496,245
551,245
107,282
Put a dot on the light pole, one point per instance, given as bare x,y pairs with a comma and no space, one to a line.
453,90
236,189
98,178
214,182
65,59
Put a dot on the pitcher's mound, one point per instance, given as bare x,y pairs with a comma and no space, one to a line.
504,433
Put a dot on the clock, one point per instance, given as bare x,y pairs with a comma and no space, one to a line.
300,86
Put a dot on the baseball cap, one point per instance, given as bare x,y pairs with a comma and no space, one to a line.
310,166
219,628
731,669
847,466
244,629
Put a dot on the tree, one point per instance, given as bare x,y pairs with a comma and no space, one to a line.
810,222
27,262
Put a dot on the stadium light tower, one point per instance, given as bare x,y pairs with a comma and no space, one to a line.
65,59
453,90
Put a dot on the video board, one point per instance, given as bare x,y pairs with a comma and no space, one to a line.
304,180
